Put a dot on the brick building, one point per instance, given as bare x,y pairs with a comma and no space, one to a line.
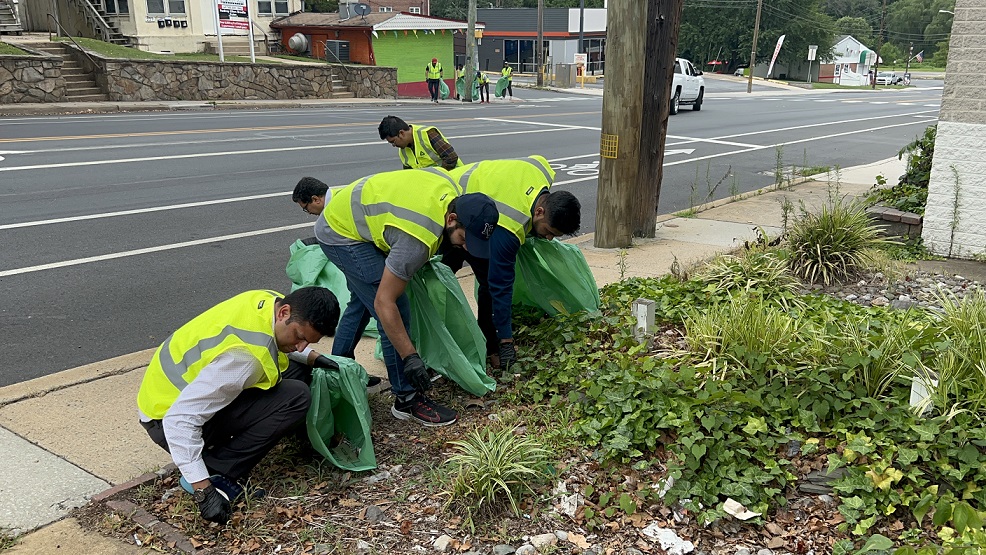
955,218
418,7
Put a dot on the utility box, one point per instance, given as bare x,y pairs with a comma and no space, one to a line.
565,75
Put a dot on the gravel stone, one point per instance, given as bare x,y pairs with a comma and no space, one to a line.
503,549
527,549
541,541
441,544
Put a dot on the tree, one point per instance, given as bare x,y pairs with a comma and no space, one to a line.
858,27
941,54
891,54
865,9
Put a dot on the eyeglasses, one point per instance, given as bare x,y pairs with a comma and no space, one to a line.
304,207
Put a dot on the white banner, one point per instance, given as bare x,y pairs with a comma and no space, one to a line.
777,51
233,14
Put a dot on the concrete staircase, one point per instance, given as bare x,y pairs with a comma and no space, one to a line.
80,86
99,21
9,24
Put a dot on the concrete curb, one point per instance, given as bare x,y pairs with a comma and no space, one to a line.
61,108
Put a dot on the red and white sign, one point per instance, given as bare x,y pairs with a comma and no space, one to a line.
233,14
777,50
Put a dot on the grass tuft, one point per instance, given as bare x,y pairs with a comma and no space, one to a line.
834,244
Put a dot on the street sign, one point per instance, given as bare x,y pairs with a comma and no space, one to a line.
812,50
233,14
581,59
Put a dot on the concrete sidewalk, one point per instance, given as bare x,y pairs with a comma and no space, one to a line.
69,436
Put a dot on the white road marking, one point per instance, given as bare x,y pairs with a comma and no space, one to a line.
679,151
687,140
148,250
566,126
879,102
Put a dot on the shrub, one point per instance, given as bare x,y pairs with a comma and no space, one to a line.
492,465
834,244
911,192
759,270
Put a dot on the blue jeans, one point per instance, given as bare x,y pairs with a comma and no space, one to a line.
363,265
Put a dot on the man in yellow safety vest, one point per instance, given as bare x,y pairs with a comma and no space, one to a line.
527,207
379,231
433,75
224,388
421,146
508,73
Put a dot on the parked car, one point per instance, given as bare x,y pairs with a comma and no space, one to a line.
740,72
889,78
688,86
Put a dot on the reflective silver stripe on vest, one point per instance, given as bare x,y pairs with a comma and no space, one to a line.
425,144
464,178
440,172
362,211
540,166
513,213
359,211
176,371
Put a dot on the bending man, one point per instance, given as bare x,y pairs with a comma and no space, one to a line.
421,146
527,207
379,235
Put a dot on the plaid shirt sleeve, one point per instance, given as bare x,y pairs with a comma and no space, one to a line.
444,149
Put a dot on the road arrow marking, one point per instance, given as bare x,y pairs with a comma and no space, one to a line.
679,151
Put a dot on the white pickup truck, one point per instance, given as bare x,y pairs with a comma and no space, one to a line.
688,86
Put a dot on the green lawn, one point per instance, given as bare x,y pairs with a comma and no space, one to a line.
12,50
300,58
847,87
108,50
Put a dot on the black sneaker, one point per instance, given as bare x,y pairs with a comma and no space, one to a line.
424,410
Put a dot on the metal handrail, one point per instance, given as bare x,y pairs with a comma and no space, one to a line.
325,47
105,25
266,43
67,35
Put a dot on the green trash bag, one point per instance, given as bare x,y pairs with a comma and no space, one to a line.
339,417
501,86
554,277
460,87
309,266
444,329
443,90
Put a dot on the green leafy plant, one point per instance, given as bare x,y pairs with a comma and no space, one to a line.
910,194
493,465
833,244
761,270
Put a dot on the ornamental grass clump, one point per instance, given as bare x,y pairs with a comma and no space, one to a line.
761,271
834,244
874,354
956,376
493,465
751,336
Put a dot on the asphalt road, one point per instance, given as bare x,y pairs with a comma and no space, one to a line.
115,229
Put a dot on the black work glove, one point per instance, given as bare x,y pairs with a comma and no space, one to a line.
416,374
508,355
213,506
322,361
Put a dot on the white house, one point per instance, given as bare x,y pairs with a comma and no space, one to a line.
853,61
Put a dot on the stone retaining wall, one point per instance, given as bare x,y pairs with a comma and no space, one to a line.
896,223
136,80
28,78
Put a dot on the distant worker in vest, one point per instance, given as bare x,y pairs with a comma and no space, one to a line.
460,73
401,219
484,87
527,207
508,73
422,146
433,75
224,388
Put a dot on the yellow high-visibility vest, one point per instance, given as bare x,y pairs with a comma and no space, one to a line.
434,71
514,185
413,201
422,154
245,323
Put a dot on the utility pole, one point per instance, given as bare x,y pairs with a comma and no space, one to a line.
539,47
472,58
910,54
636,101
581,48
753,51
879,45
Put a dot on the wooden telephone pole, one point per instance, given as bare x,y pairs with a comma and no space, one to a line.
539,47
472,59
641,44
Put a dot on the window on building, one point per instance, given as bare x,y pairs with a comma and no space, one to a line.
386,9
116,7
176,7
279,7
155,7
414,9
162,7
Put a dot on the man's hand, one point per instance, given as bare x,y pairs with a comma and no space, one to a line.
508,355
213,505
416,373
322,361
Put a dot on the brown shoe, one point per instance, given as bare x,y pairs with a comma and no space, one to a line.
494,362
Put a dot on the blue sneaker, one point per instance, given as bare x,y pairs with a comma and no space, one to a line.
228,487
185,485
